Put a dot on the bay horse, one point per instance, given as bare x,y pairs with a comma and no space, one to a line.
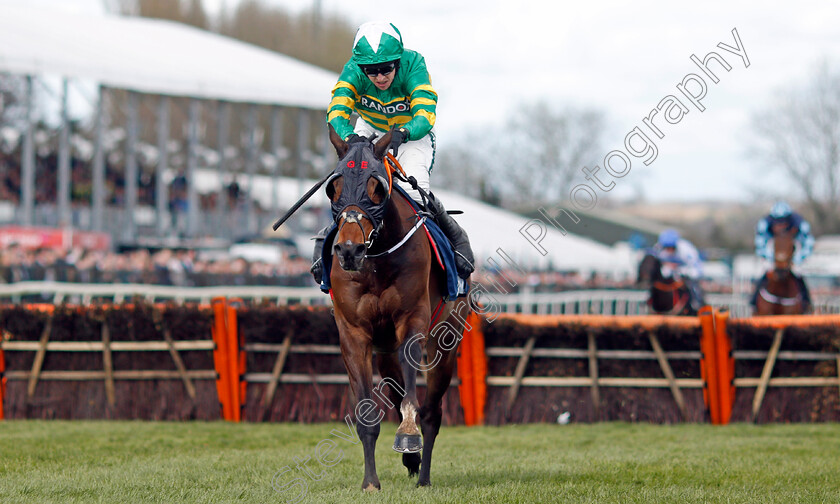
780,293
388,300
668,293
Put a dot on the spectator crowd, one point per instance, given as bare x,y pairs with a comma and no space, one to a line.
188,268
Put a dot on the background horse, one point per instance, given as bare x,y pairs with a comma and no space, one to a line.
781,294
385,289
668,293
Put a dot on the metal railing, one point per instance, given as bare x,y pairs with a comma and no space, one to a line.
58,292
598,302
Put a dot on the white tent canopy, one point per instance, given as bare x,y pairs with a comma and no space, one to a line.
157,57
491,228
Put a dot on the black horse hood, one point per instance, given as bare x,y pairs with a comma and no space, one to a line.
357,167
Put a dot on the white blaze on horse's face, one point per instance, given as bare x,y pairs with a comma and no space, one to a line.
351,242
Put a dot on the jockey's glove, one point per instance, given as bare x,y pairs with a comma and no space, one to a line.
354,138
398,137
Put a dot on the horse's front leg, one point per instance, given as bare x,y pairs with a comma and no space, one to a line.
408,438
356,350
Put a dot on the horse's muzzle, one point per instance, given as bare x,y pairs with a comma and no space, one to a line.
350,255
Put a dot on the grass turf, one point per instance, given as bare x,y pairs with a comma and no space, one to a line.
217,462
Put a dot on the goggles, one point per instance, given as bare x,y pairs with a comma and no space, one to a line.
384,69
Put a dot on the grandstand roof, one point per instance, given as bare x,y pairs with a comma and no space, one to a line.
155,56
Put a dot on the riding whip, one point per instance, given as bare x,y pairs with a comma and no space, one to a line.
300,202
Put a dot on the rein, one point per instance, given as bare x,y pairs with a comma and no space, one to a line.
397,168
401,242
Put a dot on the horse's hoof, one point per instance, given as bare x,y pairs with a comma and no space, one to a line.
408,443
412,462
371,488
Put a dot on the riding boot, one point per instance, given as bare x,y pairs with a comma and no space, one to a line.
464,261
317,268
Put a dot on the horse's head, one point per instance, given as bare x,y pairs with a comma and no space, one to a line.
358,191
783,247
650,270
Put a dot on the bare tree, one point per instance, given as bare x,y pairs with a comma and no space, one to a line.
459,168
310,36
800,136
536,155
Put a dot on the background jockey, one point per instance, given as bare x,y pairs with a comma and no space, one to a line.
389,87
783,215
679,254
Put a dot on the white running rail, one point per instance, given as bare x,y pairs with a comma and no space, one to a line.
600,302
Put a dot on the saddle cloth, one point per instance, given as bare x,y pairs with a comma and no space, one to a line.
441,252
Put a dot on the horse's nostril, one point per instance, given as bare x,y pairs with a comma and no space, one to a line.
359,250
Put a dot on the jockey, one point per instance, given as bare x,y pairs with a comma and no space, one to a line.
682,256
783,215
389,87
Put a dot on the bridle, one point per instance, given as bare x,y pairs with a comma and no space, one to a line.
355,216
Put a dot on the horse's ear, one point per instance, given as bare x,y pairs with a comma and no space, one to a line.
341,147
381,146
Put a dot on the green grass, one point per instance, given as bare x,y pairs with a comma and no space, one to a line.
149,462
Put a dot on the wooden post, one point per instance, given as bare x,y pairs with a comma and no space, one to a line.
39,358
593,375
108,364
271,388
766,372
669,374
520,372
157,317
179,363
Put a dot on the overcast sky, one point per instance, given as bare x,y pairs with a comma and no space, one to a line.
488,57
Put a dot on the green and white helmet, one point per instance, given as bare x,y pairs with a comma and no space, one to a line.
377,42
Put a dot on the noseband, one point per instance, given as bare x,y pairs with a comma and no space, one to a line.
355,217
